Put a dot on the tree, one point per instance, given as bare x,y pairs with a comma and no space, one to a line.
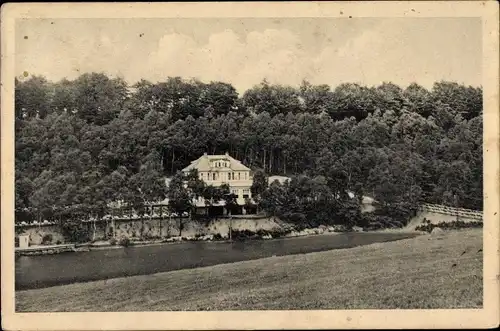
259,185
230,203
179,199
149,184
275,199
317,99
218,98
466,101
176,98
32,97
390,97
352,100
83,144
273,99
419,99
99,99
64,97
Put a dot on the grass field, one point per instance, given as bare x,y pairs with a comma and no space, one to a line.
423,272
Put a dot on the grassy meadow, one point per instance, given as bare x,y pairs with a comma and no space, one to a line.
424,272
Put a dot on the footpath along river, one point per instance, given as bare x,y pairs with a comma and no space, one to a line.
65,268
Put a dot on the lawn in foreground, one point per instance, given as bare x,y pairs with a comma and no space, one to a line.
422,272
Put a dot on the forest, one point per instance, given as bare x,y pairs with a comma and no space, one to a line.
81,144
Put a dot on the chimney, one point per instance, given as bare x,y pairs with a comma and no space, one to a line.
205,154
227,154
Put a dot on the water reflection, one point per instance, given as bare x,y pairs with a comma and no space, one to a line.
50,270
238,245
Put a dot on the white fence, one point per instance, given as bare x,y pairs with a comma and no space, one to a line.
460,212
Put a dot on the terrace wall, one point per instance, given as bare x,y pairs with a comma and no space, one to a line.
151,228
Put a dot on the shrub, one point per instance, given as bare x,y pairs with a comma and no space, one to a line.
455,225
296,218
112,241
401,212
47,239
247,234
124,241
342,228
243,234
149,236
276,233
217,236
374,221
374,226
75,232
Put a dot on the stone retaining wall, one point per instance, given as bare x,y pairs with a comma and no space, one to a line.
151,228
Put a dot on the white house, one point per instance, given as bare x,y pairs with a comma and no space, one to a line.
216,170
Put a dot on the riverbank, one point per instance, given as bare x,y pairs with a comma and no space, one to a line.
60,269
423,272
239,236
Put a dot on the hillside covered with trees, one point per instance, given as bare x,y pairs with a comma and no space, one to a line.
83,143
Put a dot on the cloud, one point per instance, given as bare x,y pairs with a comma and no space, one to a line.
390,51
273,54
397,50
403,53
60,55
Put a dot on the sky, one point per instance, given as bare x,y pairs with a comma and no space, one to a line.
243,52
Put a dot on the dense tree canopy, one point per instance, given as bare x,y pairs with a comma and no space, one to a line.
83,143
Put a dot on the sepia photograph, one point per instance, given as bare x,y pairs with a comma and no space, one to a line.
190,160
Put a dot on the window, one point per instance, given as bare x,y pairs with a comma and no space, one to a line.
246,193
213,176
239,175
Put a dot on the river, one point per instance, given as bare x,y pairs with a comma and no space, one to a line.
65,268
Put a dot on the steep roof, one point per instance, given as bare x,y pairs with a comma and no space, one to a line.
203,163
